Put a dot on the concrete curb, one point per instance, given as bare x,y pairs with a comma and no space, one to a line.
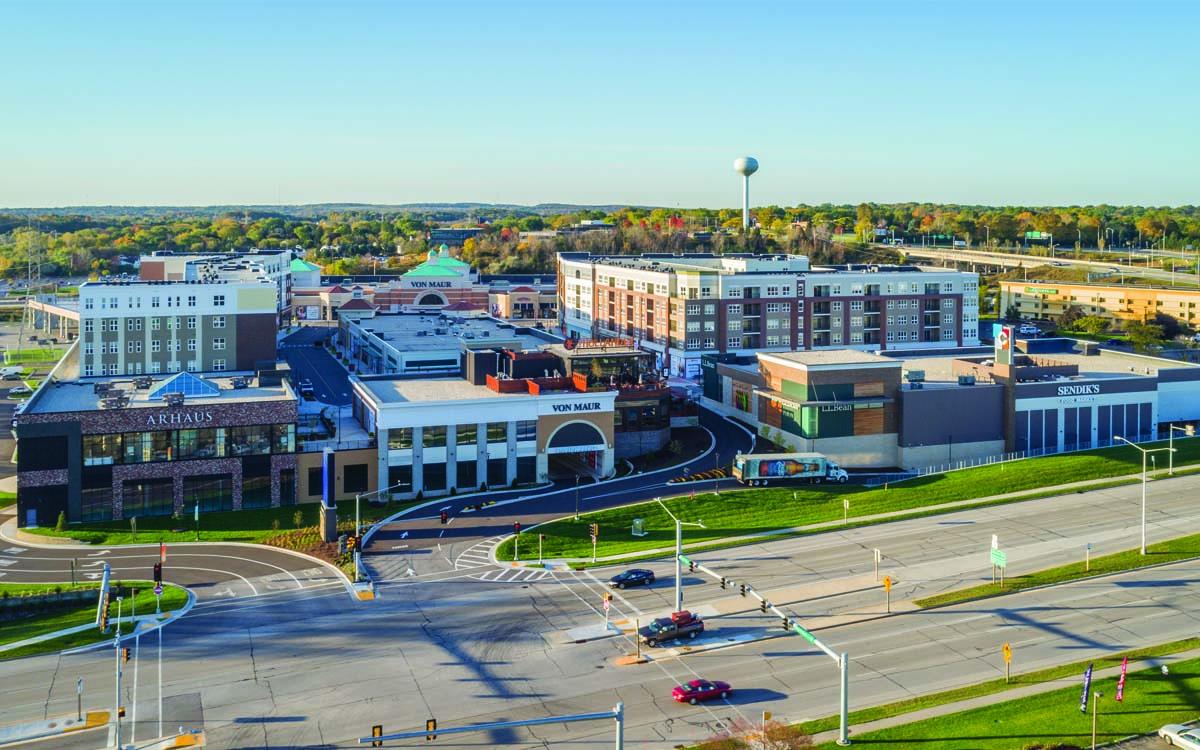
170,618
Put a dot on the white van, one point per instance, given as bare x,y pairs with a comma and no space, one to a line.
10,370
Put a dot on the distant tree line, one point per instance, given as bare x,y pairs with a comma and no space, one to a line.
355,241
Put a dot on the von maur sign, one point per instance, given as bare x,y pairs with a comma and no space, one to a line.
1089,389
171,419
563,408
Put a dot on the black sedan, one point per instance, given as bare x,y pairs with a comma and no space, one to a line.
635,577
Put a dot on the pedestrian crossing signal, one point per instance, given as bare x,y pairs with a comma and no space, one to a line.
445,517
158,572
430,730
125,655
743,589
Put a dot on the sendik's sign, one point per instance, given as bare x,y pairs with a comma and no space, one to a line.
1089,389
177,418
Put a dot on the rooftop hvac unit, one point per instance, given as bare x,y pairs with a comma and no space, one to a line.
966,380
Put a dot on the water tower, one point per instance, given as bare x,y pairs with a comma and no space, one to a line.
745,166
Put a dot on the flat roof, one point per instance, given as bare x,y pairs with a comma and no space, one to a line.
827,357
1106,364
425,390
80,395
416,332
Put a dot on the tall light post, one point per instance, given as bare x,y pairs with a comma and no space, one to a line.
678,552
576,497
1145,452
987,236
358,521
1186,430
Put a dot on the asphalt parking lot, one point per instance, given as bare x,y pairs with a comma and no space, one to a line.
330,381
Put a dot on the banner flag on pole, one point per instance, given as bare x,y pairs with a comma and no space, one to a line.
1087,685
1121,679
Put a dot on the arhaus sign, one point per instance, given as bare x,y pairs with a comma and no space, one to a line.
171,419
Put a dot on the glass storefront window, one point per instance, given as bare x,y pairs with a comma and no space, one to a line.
526,429
497,432
206,443
252,440
432,437
400,439
211,493
132,450
466,434
159,446
148,497
256,492
99,450
96,504
285,438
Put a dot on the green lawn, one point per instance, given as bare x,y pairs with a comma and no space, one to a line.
996,686
230,526
741,512
173,597
1172,550
1150,701
33,357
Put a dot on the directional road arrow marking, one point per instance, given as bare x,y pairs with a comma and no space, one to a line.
98,554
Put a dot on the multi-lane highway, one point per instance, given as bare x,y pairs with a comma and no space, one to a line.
312,668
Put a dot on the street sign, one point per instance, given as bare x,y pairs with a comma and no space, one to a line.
377,731
995,541
158,589
639,527
845,505
607,604
999,558
887,583
79,686
1007,649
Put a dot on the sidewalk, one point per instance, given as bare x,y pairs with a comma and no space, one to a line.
993,698
1033,494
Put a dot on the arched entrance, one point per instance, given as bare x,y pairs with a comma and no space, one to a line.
431,299
576,449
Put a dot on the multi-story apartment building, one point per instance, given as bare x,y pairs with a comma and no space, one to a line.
1048,300
249,265
685,306
149,327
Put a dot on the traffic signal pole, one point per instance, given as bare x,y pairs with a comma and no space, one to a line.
617,714
789,620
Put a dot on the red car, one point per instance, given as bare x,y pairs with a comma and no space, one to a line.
700,690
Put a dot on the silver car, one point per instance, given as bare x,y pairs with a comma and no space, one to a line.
1181,735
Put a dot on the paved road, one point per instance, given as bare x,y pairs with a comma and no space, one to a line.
425,545
212,571
330,380
309,670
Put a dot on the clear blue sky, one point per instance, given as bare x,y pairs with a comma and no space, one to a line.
173,102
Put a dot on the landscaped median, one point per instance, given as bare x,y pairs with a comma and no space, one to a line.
32,610
1169,551
1048,718
739,513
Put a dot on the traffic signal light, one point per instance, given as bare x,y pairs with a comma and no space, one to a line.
430,730
120,712
516,527
594,532
444,517
104,611
787,625
608,597
722,582
351,543
377,731
762,605
158,572
125,654
691,566
743,589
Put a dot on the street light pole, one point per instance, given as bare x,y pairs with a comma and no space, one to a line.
1145,452
1171,448
576,497
678,552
